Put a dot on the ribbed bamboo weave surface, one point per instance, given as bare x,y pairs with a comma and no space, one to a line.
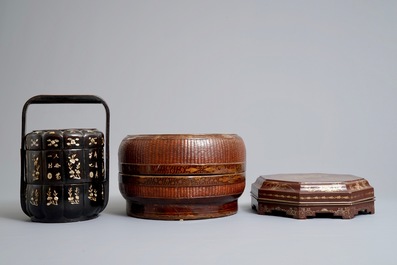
197,173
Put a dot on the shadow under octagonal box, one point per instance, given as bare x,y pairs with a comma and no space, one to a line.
312,195
64,172
182,176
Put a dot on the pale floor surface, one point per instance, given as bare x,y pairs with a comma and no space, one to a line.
114,238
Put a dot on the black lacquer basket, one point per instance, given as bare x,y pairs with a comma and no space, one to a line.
65,172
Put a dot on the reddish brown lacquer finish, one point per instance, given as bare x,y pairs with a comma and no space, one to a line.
310,195
182,176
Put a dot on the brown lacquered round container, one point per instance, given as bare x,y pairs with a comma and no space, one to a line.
182,176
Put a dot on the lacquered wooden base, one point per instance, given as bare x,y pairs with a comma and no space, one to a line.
181,210
312,195
301,212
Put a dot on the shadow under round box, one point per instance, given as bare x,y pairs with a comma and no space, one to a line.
312,195
182,176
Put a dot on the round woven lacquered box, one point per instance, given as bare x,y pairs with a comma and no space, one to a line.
181,176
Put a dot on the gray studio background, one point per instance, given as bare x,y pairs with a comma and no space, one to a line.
309,85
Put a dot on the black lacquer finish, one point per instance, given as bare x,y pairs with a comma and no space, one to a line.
64,173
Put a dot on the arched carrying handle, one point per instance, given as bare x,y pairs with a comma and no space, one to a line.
62,99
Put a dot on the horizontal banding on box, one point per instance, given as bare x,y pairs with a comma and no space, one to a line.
179,192
173,181
180,169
